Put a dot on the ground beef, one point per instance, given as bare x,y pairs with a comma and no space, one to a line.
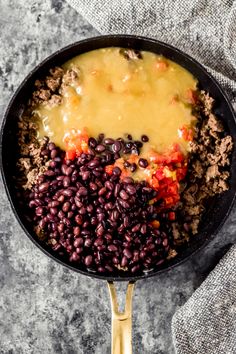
208,169
47,88
31,163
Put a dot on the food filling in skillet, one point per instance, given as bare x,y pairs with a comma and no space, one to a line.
119,152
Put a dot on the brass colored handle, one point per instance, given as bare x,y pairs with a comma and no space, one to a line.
121,321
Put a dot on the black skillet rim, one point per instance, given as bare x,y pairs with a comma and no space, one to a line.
90,41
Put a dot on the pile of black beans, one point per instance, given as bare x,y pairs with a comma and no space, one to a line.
96,219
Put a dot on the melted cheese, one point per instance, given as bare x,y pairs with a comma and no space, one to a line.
116,96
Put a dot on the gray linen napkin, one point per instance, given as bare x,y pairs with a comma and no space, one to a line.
207,322
205,29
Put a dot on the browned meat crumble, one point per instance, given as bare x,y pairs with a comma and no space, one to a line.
208,169
32,162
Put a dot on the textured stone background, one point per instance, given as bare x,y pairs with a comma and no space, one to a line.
45,308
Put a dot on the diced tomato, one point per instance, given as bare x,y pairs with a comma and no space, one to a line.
155,224
133,158
160,174
175,147
185,133
171,215
191,96
154,183
174,99
76,142
161,65
109,169
70,154
169,201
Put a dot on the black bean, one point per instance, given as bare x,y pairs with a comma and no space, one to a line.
116,156
116,147
100,148
54,153
45,152
136,228
85,175
108,206
143,163
93,186
100,230
82,192
53,211
128,180
74,257
39,211
124,204
135,268
116,171
66,181
61,198
115,260
112,248
165,242
114,215
43,187
88,260
124,261
82,211
138,144
51,146
133,167
126,164
90,208
108,156
144,138
143,229
98,242
68,171
130,189
88,242
102,191
109,268
79,219
61,214
126,221
101,269
49,173
127,253
67,193
109,185
92,142
108,141
63,169
100,138
124,195
52,164
93,163
66,207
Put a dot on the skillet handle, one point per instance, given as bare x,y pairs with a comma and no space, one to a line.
121,321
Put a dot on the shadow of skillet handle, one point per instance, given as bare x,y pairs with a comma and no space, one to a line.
121,321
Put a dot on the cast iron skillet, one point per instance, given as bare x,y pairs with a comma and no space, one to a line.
218,209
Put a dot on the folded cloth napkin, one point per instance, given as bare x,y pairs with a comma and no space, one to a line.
205,29
207,322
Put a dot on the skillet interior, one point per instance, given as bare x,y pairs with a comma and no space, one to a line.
220,206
